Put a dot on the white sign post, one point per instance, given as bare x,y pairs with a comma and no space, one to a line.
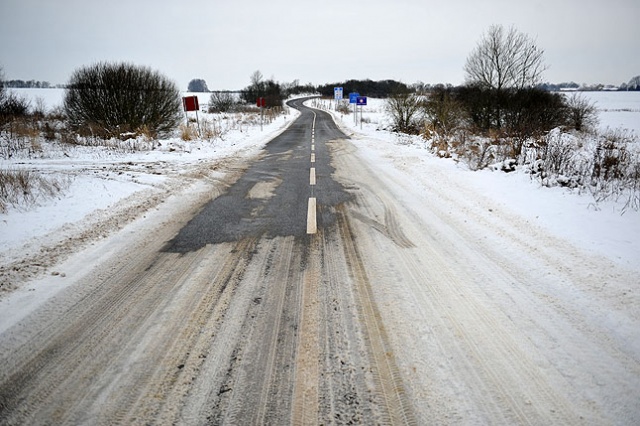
337,95
362,101
353,99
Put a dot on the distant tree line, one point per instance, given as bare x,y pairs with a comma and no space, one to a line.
631,85
370,88
31,84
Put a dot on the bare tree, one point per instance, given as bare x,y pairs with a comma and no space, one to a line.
505,59
256,78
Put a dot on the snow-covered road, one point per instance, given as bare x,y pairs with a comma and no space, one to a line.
493,319
440,296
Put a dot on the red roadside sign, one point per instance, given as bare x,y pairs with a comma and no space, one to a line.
190,103
261,102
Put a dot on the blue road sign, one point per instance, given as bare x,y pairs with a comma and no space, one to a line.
353,97
337,93
361,100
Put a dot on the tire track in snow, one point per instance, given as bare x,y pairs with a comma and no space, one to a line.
475,290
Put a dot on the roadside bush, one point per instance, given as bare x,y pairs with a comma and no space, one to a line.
344,107
607,165
19,137
516,112
188,132
222,102
405,110
107,100
443,112
13,107
611,157
582,115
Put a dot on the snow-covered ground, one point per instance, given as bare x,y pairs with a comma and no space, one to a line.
599,228
110,187
105,182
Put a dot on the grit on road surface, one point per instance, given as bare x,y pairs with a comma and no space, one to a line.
415,302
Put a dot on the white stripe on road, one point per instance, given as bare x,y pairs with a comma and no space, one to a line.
312,226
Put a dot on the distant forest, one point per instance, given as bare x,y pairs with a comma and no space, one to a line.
379,89
632,85
31,84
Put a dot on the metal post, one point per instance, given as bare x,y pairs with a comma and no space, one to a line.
355,114
198,121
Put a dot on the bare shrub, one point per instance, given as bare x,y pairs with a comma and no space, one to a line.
582,115
611,157
615,171
108,99
606,165
188,132
39,109
558,155
213,129
405,112
222,102
343,108
461,145
443,111
19,138
13,107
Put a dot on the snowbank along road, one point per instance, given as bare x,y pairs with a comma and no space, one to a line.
311,287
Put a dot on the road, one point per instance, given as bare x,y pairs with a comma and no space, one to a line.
311,288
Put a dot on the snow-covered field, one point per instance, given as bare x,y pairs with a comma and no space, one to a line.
106,182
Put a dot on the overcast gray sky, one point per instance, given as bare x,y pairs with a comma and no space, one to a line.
323,41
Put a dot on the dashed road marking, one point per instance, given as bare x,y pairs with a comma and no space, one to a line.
312,226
